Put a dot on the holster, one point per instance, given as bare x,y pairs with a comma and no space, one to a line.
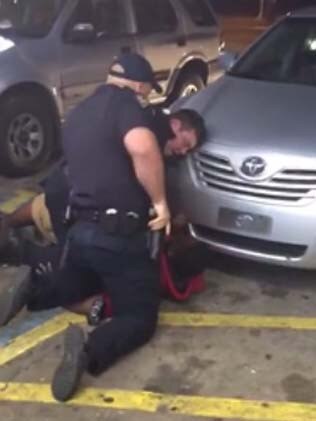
155,243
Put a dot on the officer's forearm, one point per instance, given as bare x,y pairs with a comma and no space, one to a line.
149,171
143,149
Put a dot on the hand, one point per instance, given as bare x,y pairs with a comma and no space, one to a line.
43,269
161,220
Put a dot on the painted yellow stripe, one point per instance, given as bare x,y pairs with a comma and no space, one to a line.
20,197
31,339
35,337
237,321
191,406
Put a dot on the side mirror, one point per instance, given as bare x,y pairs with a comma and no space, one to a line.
227,59
82,33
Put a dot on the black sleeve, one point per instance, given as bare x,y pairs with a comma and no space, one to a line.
56,169
56,183
132,115
162,127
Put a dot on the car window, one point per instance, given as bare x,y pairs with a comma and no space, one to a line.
83,12
287,54
30,18
199,12
154,16
109,18
236,8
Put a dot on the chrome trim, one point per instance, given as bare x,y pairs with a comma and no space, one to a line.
289,185
241,252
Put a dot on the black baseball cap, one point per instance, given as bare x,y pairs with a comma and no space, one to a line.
134,67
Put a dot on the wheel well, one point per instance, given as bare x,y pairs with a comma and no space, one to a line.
195,66
34,89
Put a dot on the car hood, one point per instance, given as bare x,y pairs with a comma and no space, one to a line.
26,59
6,43
259,115
13,51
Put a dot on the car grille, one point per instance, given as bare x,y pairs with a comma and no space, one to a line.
289,185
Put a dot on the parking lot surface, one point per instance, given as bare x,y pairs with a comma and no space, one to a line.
244,349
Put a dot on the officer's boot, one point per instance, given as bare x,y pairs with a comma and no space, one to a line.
74,363
14,298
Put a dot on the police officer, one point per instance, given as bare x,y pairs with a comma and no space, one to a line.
116,175
177,133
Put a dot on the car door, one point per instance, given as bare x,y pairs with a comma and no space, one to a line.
84,64
159,35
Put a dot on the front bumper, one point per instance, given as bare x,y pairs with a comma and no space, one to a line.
291,240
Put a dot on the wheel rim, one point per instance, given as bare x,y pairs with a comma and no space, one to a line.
25,139
189,90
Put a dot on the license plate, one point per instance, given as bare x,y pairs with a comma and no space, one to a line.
244,221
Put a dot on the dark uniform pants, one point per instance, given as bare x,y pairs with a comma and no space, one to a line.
120,266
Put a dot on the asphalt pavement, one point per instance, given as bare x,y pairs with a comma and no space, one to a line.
244,349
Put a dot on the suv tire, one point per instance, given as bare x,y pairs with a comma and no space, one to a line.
27,134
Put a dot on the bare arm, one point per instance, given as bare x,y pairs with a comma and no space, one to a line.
22,216
142,147
19,218
141,144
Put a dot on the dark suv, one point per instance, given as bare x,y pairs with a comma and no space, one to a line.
53,53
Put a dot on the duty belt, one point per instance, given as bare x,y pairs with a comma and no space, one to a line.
112,221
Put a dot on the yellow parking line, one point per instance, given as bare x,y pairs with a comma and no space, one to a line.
31,339
35,337
237,321
20,197
191,406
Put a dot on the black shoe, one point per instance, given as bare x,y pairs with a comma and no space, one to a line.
69,372
15,297
13,253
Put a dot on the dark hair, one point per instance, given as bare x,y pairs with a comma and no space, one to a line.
191,120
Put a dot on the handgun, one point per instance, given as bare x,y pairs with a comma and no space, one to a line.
156,239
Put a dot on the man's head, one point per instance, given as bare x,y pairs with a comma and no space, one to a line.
189,132
135,72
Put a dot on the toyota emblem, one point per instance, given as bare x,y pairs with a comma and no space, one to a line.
253,166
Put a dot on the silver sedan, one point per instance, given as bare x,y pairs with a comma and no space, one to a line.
250,190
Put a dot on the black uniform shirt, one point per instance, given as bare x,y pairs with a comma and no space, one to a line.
160,125
101,173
